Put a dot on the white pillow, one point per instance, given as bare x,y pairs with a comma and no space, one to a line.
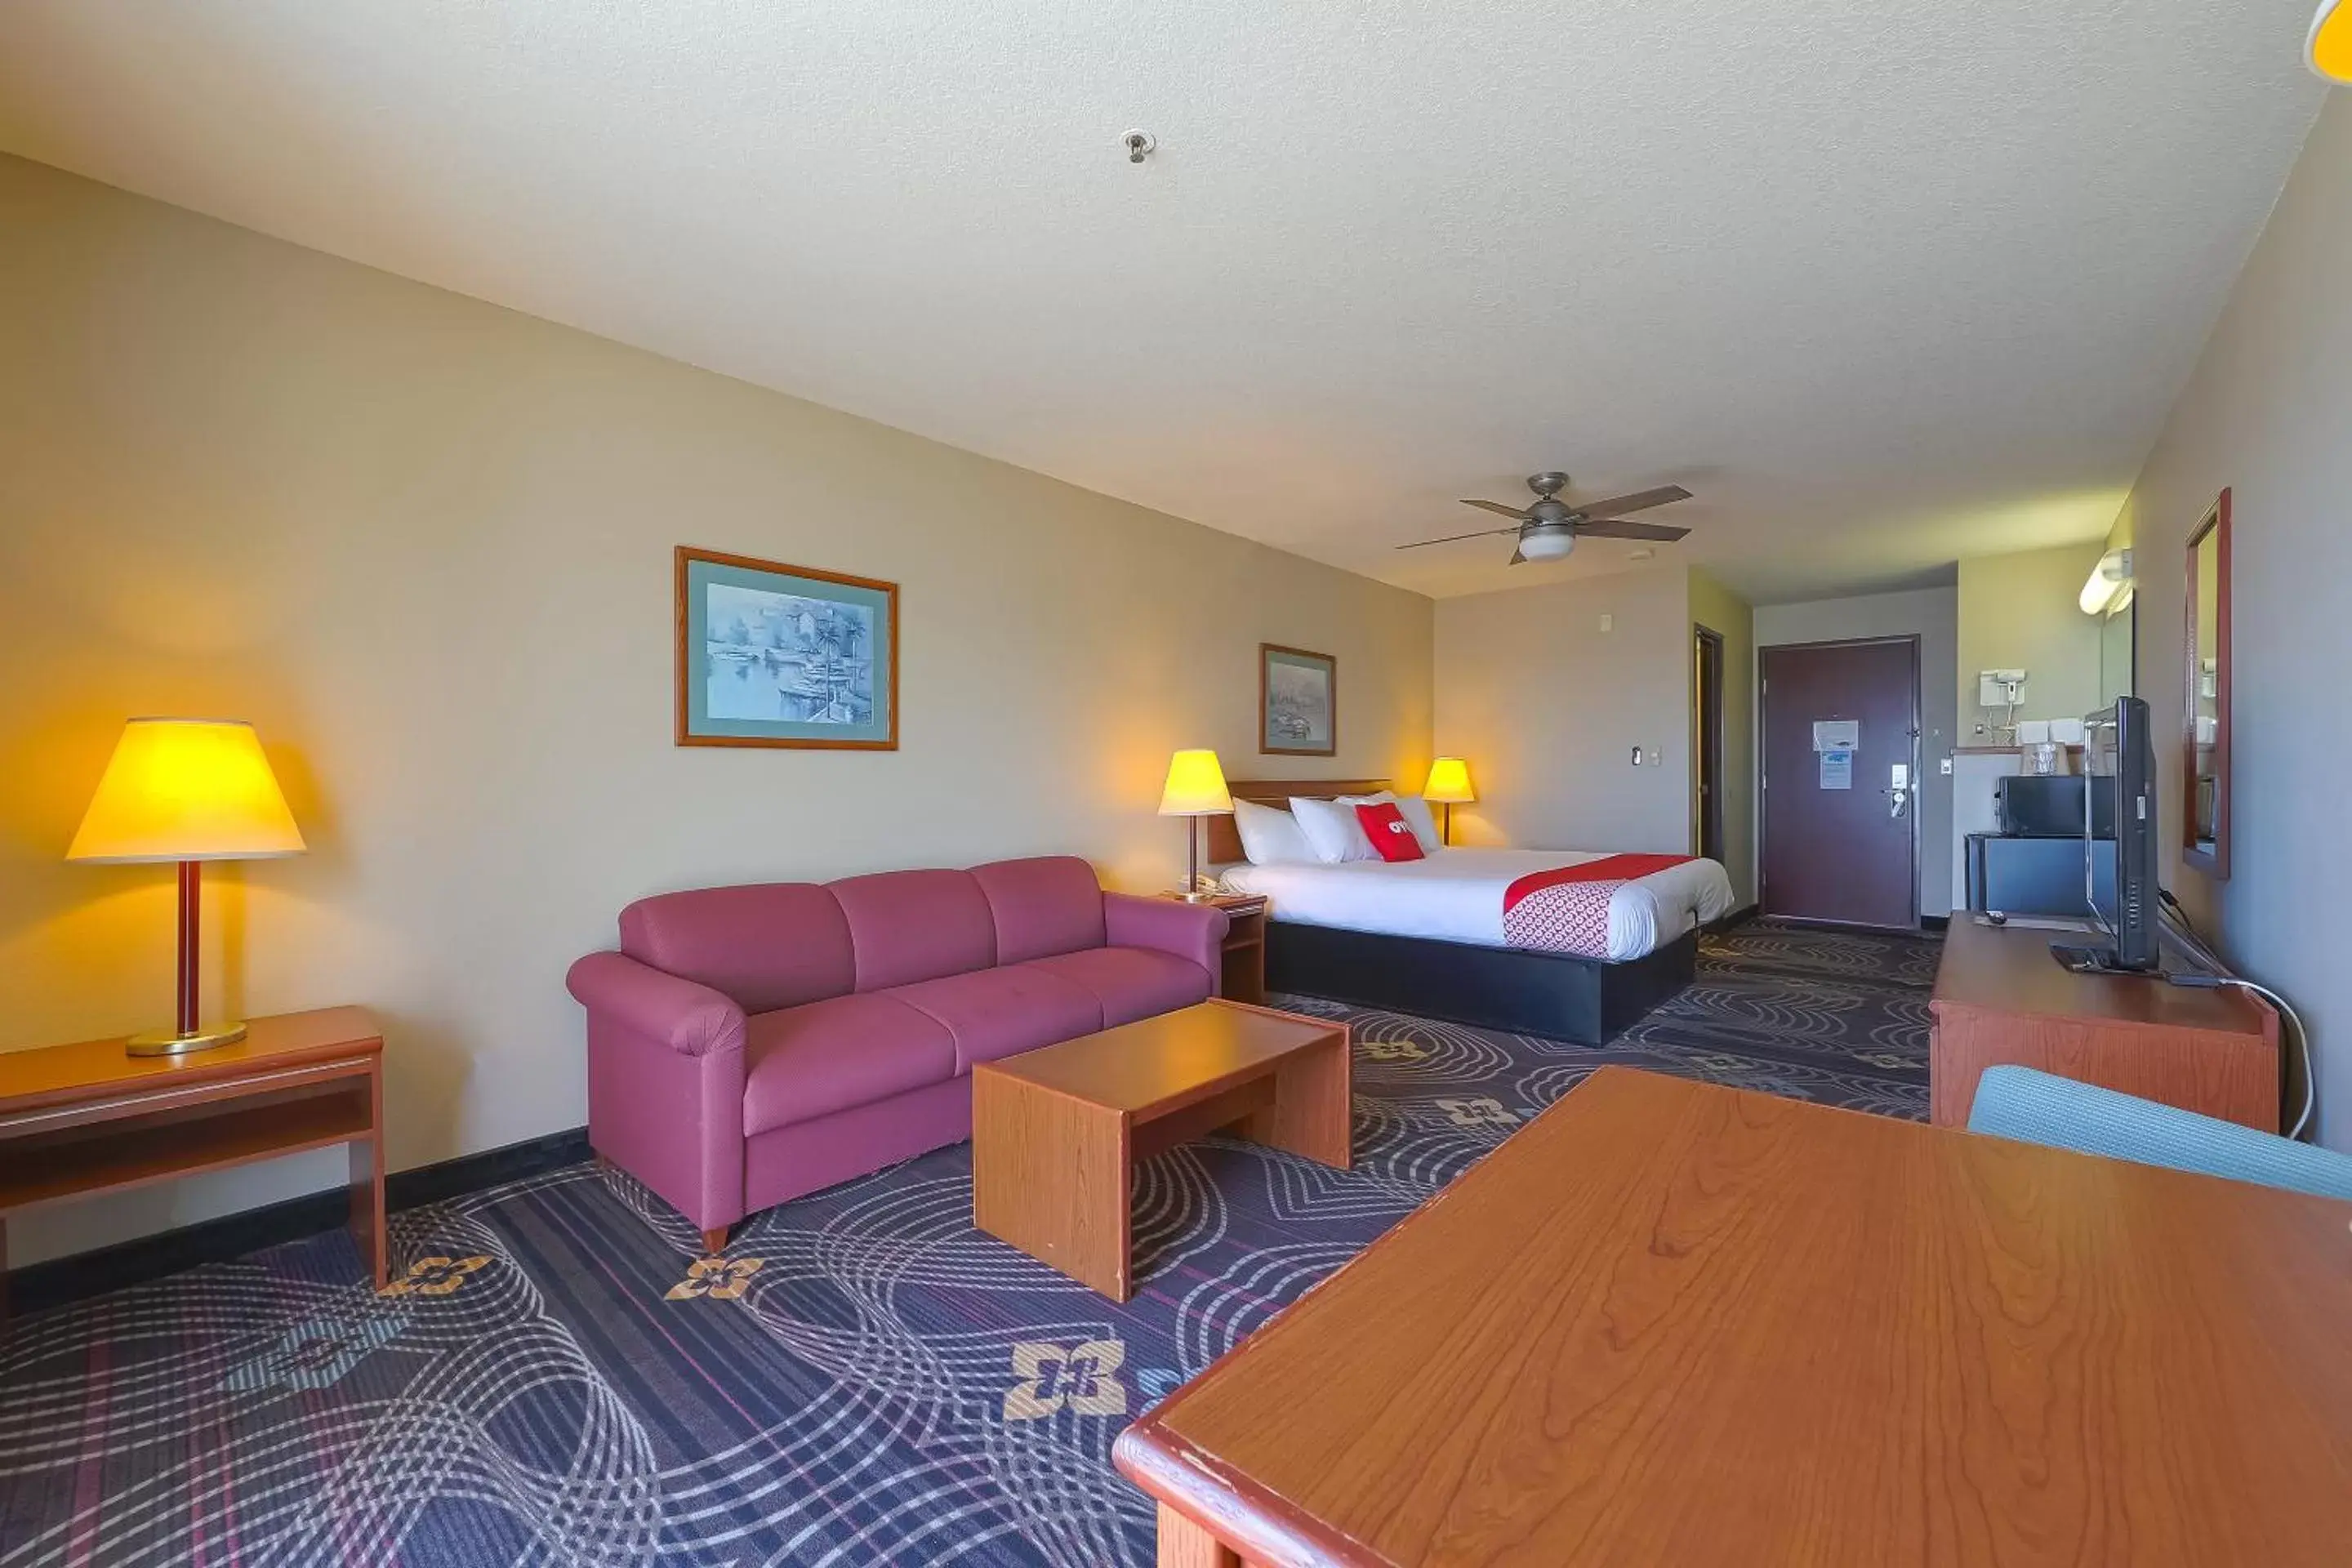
1270,835
1332,830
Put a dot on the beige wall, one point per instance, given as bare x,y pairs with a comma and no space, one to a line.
1719,609
424,545
2268,413
2024,612
1931,614
1546,708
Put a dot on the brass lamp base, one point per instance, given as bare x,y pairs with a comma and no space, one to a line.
172,1043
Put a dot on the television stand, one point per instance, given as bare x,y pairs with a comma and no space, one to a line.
2000,999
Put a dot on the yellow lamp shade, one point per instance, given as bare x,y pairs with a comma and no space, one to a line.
1196,787
1449,783
186,789
2330,51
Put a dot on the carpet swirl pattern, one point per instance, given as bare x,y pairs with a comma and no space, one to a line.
559,1378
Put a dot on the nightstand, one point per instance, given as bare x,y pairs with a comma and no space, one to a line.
1245,977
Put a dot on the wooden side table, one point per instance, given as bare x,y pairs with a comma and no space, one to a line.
1245,977
85,1119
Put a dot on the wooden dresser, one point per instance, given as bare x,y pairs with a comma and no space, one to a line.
2002,998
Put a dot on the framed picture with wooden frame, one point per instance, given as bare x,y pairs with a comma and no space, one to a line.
1298,702
770,655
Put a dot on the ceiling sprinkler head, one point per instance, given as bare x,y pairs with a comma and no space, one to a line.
1139,145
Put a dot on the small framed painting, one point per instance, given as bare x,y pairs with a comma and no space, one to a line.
770,655
1298,702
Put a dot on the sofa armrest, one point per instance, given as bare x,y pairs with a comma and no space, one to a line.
691,1019
1195,932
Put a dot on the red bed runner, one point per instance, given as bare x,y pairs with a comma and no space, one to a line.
1566,910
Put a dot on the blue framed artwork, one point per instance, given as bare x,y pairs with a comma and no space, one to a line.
770,655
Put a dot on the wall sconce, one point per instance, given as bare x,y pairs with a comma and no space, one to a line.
2109,586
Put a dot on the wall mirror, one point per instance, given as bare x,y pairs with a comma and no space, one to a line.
2205,734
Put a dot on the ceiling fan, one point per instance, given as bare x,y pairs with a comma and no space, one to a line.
1548,529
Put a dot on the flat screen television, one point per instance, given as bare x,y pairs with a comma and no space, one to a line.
2121,759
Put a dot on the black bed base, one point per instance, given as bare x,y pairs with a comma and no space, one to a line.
1589,1000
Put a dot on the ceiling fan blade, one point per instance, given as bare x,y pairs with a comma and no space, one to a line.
1612,528
1640,501
1517,560
1458,538
1498,509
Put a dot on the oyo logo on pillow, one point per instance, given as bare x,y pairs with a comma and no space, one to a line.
1387,833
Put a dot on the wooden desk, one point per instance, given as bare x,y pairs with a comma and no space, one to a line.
1056,1132
84,1119
1668,1322
2002,998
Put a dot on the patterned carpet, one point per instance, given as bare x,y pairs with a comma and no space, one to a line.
560,1379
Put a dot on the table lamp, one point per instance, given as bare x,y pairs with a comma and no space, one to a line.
2329,52
1196,788
189,790
1448,785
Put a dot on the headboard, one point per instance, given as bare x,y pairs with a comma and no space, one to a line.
1225,845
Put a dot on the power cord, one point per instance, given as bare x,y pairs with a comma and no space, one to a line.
2225,981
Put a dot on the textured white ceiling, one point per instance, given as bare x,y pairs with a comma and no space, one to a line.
1884,281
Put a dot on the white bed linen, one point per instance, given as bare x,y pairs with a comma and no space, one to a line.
1456,895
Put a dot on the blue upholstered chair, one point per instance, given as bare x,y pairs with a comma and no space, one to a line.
2035,1107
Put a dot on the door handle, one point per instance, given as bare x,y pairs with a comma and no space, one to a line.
1898,801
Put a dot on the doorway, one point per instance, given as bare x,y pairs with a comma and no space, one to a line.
1707,748
1841,782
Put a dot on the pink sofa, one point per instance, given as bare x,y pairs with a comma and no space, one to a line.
747,1045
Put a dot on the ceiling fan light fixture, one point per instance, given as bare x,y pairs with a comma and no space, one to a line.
1547,530
1547,544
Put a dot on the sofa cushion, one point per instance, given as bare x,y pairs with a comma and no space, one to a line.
1043,906
907,926
1130,983
766,945
811,1060
1002,1011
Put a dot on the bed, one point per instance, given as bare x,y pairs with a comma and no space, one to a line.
1572,944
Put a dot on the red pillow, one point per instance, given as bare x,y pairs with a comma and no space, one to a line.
1390,833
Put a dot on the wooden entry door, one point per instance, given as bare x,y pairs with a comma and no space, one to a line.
1841,831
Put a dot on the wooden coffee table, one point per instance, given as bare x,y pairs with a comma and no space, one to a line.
1056,1132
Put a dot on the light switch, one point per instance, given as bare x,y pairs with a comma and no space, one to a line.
1609,624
